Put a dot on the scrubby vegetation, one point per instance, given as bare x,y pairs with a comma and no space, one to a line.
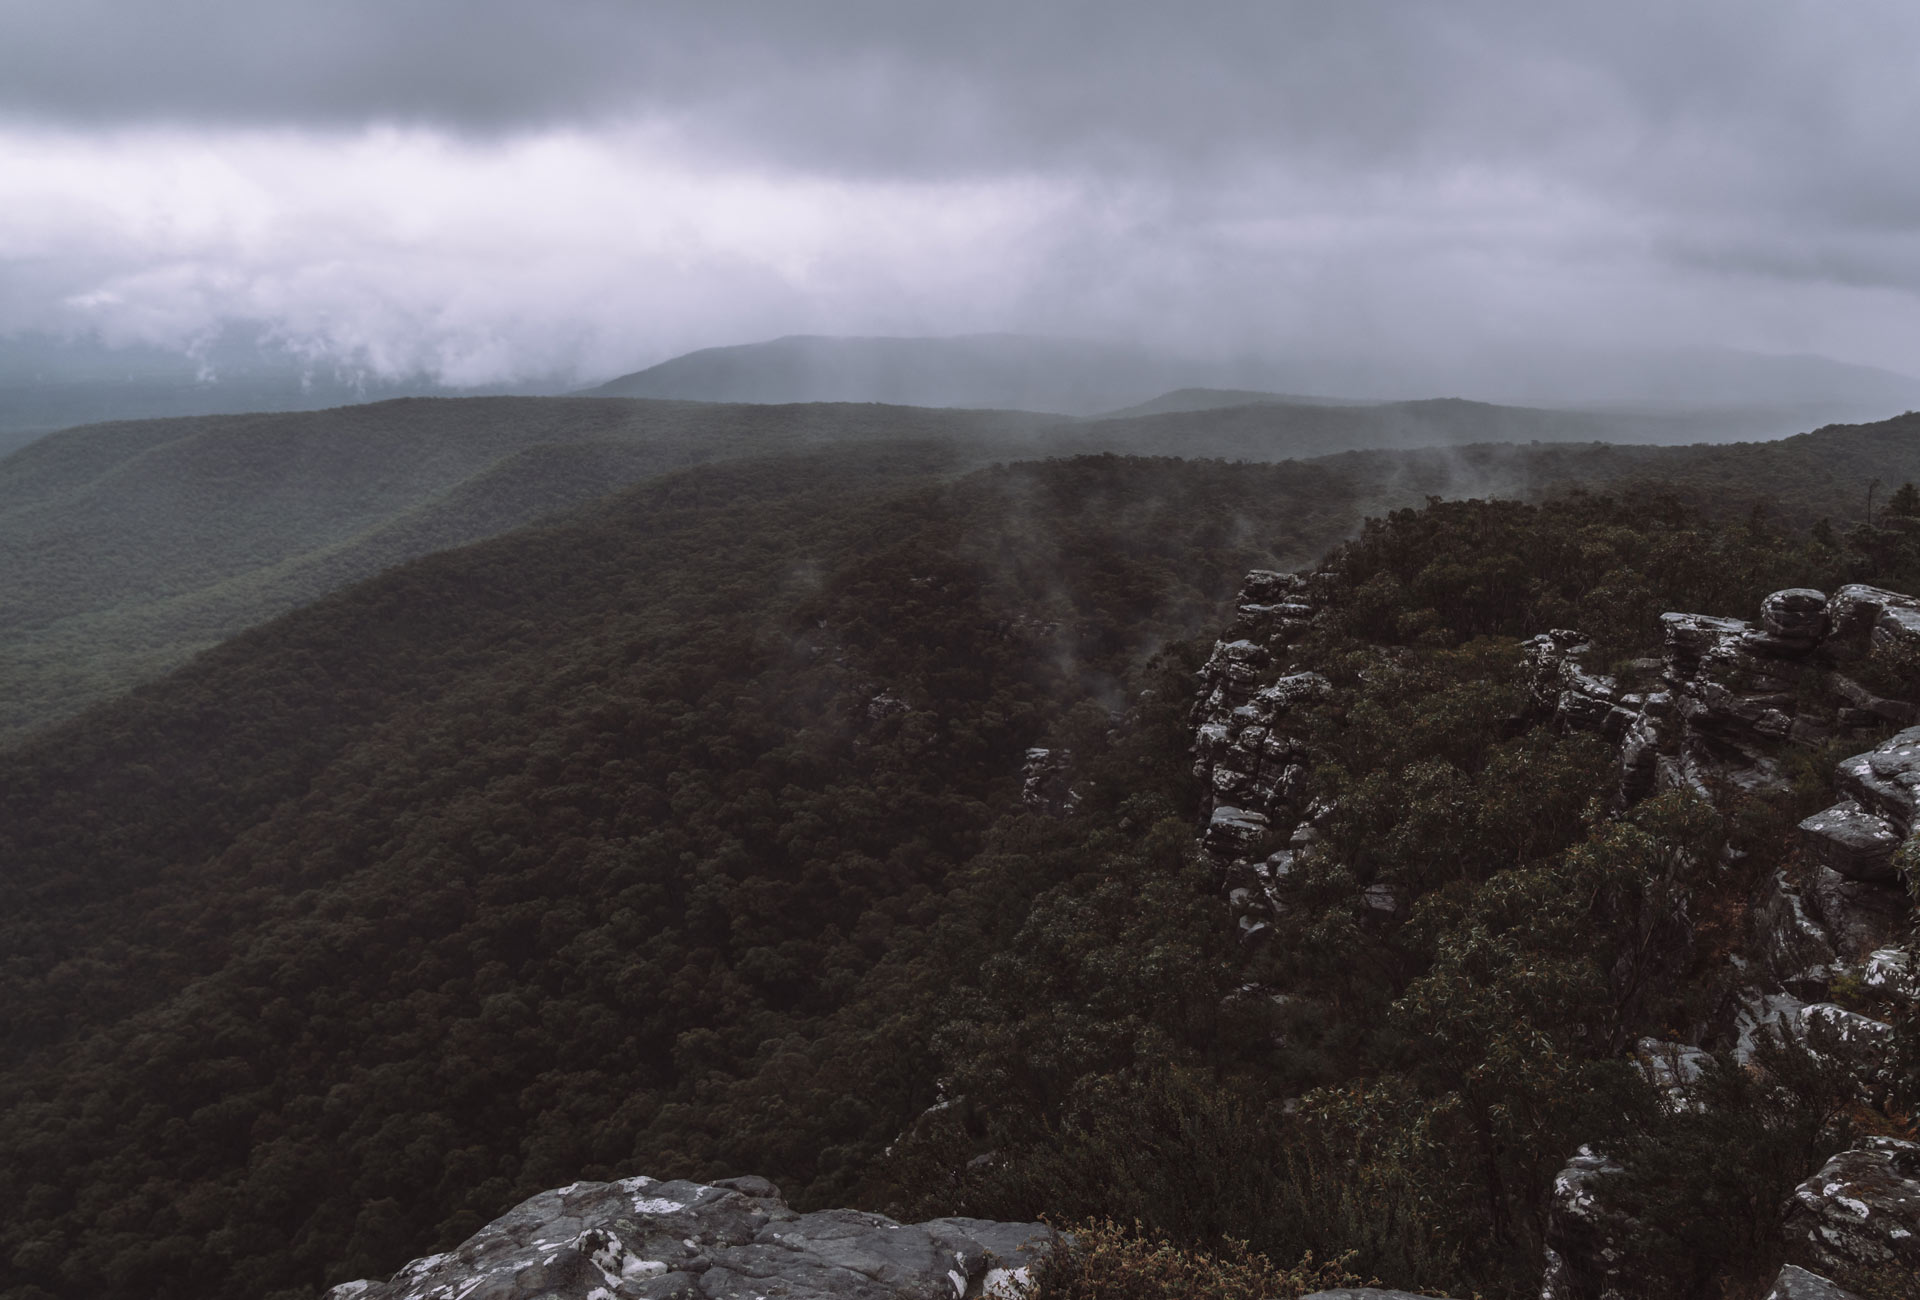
1109,1262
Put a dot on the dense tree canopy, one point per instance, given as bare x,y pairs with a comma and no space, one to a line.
684,836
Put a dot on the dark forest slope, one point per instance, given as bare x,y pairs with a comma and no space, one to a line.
484,872
685,836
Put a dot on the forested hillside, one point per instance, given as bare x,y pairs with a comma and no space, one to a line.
697,834
559,852
126,548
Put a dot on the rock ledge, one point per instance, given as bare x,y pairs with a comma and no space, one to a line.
640,1239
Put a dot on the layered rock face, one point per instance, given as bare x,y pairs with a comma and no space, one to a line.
1729,693
1255,770
1859,1215
1730,699
639,1239
1715,715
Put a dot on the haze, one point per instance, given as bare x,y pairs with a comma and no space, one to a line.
491,190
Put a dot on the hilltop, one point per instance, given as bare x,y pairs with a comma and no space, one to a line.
1012,371
1719,392
1209,399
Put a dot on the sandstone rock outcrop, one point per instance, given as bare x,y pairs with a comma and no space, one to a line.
1717,714
1796,1283
1860,1214
1240,747
1731,698
639,1239
1045,782
1586,1256
1254,767
1730,693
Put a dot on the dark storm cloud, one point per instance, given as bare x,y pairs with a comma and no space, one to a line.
904,86
1352,175
1805,110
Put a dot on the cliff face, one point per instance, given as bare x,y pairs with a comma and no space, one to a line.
1725,714
1733,701
640,1239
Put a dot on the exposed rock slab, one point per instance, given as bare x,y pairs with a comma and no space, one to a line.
1853,842
639,1239
1886,779
1855,608
1892,974
1673,1068
1045,782
1796,614
1797,949
1861,1043
1861,1213
1586,1239
1796,1283
1859,917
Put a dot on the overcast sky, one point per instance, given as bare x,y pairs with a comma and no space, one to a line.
490,188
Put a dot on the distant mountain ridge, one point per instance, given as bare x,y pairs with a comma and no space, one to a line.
1280,426
1008,371
50,382
1090,378
1182,400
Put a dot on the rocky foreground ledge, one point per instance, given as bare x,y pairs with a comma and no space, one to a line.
641,1239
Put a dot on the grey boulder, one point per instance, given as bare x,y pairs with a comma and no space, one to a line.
1861,1213
639,1239
1886,779
1853,841
1796,614
1795,1283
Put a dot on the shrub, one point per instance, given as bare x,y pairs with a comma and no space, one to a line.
1110,1262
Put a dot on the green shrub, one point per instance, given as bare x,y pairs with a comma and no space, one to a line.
1110,1262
